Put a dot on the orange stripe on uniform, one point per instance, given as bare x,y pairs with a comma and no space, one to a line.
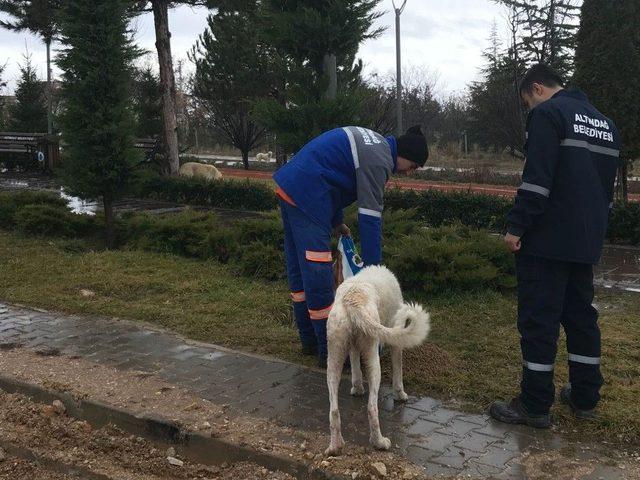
283,195
319,257
298,297
320,314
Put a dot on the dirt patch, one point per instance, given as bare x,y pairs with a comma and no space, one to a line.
17,469
557,465
143,393
106,451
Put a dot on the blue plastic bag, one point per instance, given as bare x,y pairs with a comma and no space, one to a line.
351,261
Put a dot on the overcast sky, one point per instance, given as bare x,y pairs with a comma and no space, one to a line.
444,37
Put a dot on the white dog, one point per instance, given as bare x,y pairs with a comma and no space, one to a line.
369,310
200,170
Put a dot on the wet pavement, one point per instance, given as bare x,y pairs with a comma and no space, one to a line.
442,439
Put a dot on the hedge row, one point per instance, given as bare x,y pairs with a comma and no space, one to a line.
245,195
453,258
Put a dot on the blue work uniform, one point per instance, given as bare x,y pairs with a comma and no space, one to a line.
561,214
328,174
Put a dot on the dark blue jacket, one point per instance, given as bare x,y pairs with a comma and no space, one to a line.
336,169
562,207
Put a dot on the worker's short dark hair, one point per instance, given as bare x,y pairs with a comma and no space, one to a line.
542,74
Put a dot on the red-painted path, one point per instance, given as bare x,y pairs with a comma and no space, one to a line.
498,190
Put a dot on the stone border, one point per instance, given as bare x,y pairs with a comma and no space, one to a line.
194,446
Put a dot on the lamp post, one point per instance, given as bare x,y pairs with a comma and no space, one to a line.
398,12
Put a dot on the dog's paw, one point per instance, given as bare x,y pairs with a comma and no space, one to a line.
334,450
401,396
383,443
357,390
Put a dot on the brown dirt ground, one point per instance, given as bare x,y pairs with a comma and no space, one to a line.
144,393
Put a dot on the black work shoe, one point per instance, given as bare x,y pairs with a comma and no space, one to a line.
515,413
310,350
565,397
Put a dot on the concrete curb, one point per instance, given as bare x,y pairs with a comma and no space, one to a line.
191,445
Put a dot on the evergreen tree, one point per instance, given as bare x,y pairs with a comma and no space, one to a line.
148,103
234,69
316,44
608,68
40,18
546,31
29,113
98,121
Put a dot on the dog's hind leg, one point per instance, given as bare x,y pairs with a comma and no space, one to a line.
335,361
374,374
357,388
398,386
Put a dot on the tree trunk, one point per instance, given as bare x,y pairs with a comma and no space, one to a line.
331,71
49,89
245,159
168,84
623,186
109,218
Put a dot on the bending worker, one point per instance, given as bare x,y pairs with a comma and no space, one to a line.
328,174
557,229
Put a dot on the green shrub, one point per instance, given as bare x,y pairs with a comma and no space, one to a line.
453,258
246,195
10,202
48,220
440,208
624,224
261,260
180,234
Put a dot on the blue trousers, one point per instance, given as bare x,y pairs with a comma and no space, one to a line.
553,293
307,247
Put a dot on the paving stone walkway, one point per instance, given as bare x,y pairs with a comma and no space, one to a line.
443,440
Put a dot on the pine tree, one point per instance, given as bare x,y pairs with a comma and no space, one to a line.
29,113
546,31
40,18
234,69
98,122
316,44
148,103
608,68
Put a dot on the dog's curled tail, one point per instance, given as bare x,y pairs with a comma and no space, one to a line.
411,325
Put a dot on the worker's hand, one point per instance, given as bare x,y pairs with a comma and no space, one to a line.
341,230
513,243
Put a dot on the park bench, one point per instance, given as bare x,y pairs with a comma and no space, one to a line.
38,145
150,147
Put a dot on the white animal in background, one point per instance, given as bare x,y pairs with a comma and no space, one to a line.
200,170
264,157
369,310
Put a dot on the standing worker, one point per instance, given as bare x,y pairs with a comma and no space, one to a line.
330,173
557,229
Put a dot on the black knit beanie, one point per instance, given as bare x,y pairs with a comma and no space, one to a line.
413,146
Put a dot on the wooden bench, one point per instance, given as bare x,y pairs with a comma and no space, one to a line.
38,145
150,147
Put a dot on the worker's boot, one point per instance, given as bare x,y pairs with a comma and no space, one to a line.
515,413
584,414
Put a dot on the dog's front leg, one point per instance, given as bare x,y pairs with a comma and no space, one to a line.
335,361
373,362
396,364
